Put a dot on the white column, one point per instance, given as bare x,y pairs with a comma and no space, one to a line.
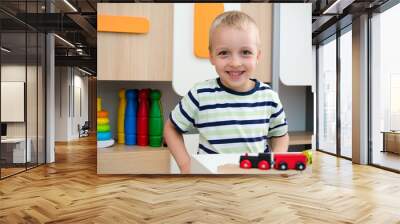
50,99
360,90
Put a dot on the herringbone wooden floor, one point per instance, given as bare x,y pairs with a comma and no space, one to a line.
69,191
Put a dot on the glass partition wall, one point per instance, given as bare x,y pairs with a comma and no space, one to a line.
385,89
22,79
334,104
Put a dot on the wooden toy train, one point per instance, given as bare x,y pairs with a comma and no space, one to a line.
279,161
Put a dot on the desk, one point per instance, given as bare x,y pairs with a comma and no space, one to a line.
229,164
122,159
225,164
17,150
391,141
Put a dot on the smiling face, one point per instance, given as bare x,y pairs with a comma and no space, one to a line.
234,54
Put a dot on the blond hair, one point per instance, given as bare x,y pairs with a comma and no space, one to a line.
234,19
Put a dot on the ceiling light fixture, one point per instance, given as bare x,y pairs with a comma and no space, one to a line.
338,6
80,51
5,50
84,71
70,5
64,40
331,7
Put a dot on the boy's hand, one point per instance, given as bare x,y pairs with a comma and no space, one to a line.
177,147
185,169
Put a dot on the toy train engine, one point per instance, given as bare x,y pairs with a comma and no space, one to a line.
280,161
262,161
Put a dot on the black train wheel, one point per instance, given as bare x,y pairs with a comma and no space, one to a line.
283,166
300,166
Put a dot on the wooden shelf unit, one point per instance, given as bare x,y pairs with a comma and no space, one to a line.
300,138
124,159
138,57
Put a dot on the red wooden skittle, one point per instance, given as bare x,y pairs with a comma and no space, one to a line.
143,118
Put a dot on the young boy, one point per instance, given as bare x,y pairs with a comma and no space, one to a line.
233,113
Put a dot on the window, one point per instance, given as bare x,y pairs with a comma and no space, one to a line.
385,88
327,97
346,94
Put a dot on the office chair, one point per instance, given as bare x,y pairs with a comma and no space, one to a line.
84,130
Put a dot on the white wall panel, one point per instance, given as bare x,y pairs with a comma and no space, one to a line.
12,101
186,68
295,44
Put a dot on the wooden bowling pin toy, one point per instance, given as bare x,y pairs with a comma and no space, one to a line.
155,119
143,118
130,117
121,116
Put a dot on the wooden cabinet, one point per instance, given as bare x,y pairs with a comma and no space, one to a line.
148,57
140,57
391,141
123,159
262,14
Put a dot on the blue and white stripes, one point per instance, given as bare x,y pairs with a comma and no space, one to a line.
229,121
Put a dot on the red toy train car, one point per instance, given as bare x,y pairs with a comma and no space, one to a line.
280,161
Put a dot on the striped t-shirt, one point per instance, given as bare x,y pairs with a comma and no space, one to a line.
229,121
